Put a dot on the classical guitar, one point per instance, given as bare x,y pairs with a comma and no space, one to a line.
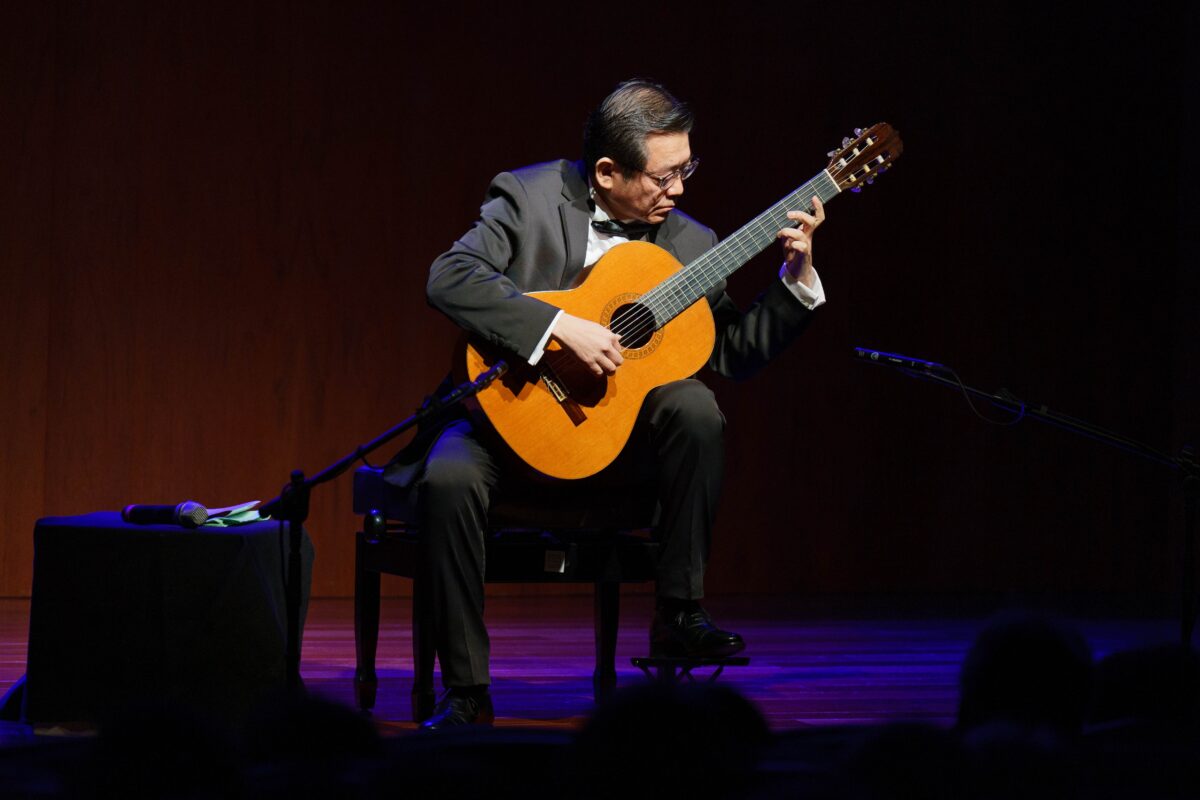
566,422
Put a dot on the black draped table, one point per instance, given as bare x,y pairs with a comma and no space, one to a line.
125,614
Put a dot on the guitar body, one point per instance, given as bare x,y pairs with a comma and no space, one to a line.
560,418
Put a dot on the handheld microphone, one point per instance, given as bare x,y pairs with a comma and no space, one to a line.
188,514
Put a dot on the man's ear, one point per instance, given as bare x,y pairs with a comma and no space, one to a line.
605,172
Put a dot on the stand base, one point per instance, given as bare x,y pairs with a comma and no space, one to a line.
678,670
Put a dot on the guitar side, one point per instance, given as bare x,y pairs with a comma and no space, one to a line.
558,417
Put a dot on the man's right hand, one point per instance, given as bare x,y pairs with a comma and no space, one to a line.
595,345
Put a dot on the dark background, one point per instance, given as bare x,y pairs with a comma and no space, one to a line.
216,219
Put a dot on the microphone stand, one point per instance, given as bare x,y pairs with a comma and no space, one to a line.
1186,463
291,506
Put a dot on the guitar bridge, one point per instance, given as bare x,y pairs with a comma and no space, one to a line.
559,392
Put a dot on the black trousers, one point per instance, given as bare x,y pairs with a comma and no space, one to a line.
677,443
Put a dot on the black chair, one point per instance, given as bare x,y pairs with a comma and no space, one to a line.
550,535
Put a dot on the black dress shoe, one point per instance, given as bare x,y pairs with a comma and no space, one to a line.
456,709
688,631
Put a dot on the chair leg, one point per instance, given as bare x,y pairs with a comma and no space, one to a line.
607,613
424,653
366,628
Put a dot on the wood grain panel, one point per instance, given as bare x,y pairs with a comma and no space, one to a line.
27,241
216,221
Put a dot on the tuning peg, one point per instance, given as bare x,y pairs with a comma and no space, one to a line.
858,131
870,181
856,189
846,140
832,153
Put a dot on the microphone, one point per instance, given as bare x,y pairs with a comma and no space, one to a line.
188,514
897,360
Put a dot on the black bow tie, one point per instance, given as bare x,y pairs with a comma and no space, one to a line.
630,230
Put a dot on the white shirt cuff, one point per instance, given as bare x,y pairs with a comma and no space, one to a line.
810,298
541,345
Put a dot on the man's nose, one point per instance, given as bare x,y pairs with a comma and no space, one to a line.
675,187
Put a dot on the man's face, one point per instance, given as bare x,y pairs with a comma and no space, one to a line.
636,195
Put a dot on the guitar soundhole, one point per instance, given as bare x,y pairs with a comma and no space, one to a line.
634,323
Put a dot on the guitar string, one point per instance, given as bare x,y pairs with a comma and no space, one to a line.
685,287
668,299
680,289
689,284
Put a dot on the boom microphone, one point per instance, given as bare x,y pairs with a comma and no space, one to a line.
189,514
898,360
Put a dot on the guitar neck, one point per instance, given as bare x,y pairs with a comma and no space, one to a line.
697,279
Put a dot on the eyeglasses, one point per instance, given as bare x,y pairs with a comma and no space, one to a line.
683,173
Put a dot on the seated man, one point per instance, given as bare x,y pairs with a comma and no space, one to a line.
542,227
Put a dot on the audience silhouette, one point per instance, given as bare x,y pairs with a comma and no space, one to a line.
1037,719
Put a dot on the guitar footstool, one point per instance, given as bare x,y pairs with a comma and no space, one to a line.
679,669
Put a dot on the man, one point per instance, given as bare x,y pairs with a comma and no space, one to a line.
542,227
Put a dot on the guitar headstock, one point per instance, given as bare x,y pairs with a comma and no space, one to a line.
860,159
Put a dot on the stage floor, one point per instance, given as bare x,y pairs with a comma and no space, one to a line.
812,662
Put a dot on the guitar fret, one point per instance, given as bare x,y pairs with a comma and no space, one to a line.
672,296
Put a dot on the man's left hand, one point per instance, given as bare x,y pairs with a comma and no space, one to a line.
797,243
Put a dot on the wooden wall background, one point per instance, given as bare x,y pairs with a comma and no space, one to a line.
215,221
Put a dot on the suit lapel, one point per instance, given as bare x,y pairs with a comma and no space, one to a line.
576,216
664,237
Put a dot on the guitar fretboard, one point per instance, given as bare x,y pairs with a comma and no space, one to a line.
697,279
